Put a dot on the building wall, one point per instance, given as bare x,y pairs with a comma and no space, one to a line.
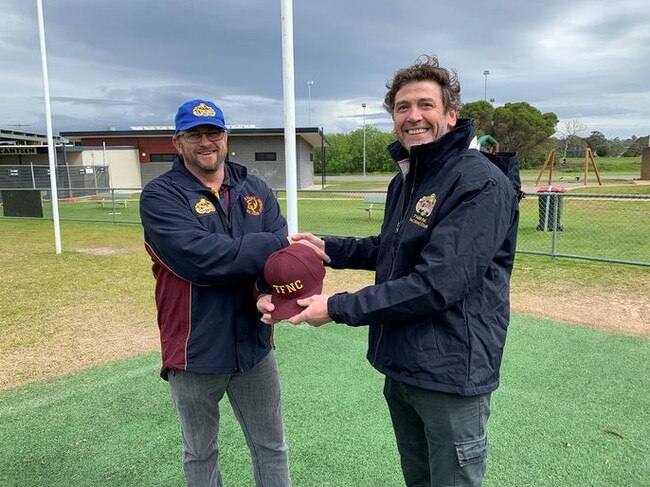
146,145
305,164
152,170
244,148
123,164
24,160
273,172
124,168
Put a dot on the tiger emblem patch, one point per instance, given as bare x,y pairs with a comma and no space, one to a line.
254,205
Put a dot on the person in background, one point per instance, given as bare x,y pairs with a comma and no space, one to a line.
439,309
209,226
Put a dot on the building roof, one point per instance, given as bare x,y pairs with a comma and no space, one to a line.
18,137
312,135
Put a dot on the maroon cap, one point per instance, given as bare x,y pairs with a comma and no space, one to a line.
295,272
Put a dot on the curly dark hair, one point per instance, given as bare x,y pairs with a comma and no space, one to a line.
426,68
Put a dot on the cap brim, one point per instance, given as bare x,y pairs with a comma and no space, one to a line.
285,308
197,122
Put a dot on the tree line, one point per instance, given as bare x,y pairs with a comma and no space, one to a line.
517,127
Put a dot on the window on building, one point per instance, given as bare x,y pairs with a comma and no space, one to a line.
266,156
162,157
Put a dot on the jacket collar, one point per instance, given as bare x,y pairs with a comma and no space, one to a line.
453,141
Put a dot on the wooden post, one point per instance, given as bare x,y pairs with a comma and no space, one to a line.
549,158
589,155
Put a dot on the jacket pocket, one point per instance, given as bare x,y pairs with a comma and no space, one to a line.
423,341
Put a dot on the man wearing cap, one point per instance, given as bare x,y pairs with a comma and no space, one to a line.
439,309
209,227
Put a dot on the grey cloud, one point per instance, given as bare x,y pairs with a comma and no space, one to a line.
126,63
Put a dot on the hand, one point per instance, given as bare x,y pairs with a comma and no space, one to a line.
315,312
312,241
266,307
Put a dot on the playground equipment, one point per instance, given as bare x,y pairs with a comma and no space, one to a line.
488,143
550,163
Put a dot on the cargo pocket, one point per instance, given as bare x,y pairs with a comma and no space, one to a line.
471,456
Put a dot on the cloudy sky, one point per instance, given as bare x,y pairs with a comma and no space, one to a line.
121,63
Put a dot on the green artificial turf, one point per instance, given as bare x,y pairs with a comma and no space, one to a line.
573,409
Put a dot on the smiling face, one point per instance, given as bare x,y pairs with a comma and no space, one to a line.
419,116
204,158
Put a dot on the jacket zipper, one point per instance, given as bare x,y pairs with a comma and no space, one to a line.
225,218
405,207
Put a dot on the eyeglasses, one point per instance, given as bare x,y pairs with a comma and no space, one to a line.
195,137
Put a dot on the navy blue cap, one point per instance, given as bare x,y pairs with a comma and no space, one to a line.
199,112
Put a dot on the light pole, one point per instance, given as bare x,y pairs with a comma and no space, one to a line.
309,85
485,73
363,105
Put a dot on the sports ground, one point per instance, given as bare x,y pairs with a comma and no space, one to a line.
82,404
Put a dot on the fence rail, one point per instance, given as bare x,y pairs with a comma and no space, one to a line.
601,227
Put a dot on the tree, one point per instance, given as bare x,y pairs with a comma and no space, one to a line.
482,112
636,149
570,132
345,152
598,143
520,127
616,147
517,127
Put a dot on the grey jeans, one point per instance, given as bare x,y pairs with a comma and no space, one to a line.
441,438
255,399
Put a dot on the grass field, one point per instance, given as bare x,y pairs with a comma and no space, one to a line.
610,166
606,165
622,189
604,228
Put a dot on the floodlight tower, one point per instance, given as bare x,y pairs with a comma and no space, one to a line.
485,73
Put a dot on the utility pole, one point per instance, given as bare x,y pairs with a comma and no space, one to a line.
363,105
310,83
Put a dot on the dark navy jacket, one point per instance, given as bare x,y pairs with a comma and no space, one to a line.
439,309
205,263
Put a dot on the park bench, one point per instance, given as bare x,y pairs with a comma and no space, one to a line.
107,200
371,201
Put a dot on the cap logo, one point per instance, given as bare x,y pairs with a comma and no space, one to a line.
203,110
292,287
203,207
293,273
254,205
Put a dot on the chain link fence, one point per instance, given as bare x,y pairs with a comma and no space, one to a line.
71,181
603,227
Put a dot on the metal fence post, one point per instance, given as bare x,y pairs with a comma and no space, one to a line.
113,202
547,210
555,222
67,171
95,177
